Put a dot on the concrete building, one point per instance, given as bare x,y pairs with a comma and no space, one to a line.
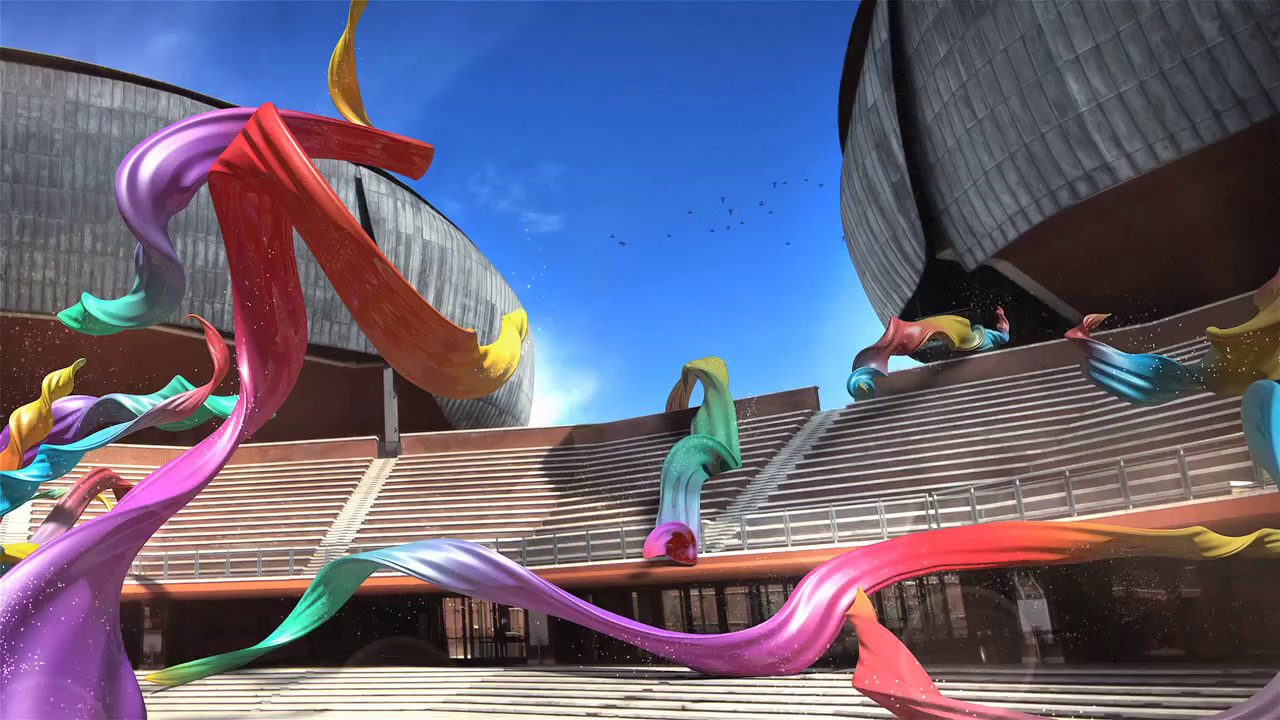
67,125
1060,158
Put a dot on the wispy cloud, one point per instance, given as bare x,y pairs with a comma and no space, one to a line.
452,209
563,389
425,49
516,192
539,222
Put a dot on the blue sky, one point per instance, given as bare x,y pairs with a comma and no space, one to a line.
557,125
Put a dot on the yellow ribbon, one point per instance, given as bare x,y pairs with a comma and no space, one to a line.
344,86
33,422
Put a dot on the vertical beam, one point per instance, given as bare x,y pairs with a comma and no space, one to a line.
1124,484
1185,475
390,446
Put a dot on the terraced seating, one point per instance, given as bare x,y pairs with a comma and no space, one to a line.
999,429
253,506
40,508
534,493
470,495
619,482
616,500
652,693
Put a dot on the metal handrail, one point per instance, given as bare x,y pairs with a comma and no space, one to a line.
885,517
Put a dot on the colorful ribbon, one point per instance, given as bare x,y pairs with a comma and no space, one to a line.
31,423
73,502
54,461
67,512
161,175
893,678
1261,414
787,643
75,416
904,337
60,603
712,446
344,85
1237,358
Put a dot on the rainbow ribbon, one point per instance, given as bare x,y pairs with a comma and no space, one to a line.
711,447
787,643
263,184
72,504
175,410
1237,357
74,416
32,423
903,337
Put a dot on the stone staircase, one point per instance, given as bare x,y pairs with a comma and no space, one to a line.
15,527
724,531
662,693
343,531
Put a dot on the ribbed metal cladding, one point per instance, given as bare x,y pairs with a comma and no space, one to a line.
1022,109
62,136
881,220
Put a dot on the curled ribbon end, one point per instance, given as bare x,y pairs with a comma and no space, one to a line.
78,318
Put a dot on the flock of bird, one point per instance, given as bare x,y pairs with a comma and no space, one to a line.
723,200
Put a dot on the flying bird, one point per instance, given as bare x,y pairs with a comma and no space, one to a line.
775,183
713,229
668,234
622,243
788,242
611,235
819,184
742,222
806,179
784,182
726,227
730,211
690,212
770,212
721,199
761,203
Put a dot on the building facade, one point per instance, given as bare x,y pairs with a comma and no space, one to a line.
67,125
996,151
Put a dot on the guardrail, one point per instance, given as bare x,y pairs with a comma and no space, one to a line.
1139,480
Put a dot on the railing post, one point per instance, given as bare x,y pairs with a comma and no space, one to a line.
259,561
197,563
497,545
524,551
937,511
1186,476
586,536
884,522
165,571
555,549
1259,476
1017,497
226,565
1124,484
786,526
1071,495
291,561
973,505
622,542
835,528
742,530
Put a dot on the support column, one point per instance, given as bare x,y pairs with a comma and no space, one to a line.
390,445
1035,289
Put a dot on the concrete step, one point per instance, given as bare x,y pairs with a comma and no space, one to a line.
1100,693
